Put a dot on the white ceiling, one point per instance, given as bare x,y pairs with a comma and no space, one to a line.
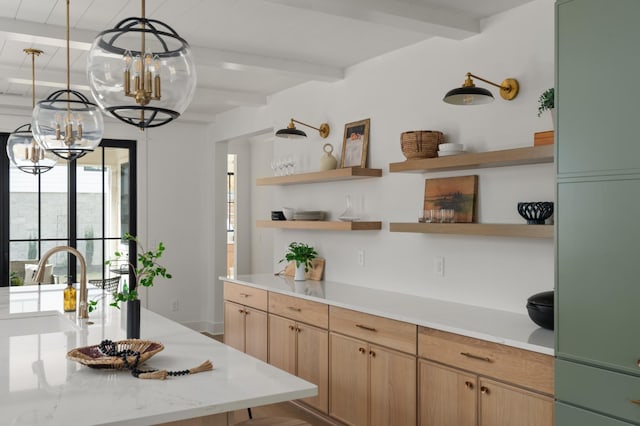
244,50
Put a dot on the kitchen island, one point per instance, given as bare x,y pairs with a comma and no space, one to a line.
39,386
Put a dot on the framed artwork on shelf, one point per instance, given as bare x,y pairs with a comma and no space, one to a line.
355,144
457,193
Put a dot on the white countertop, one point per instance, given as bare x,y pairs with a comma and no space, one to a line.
507,328
39,386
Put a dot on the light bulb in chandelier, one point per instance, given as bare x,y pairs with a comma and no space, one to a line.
141,72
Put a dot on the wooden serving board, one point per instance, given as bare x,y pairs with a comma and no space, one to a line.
314,273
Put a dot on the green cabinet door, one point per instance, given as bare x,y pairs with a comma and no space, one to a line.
597,103
598,267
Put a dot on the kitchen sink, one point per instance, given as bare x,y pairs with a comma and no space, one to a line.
35,323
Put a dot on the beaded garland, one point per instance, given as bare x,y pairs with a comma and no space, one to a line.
109,348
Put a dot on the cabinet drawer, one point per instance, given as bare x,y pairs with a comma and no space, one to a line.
524,368
297,309
246,295
383,331
568,415
598,389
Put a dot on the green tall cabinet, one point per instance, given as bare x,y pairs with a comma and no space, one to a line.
598,213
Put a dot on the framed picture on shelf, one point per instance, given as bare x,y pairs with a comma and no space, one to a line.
457,193
355,144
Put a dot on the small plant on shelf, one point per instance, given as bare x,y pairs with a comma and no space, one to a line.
546,101
301,253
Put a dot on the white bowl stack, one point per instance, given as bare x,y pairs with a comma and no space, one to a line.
446,149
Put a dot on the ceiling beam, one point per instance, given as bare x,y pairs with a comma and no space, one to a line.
50,35
433,21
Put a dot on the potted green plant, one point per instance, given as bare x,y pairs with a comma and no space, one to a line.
15,279
144,275
546,102
302,254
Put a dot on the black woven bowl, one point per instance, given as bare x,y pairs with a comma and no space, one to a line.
535,212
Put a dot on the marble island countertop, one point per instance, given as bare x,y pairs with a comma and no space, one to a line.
39,386
507,328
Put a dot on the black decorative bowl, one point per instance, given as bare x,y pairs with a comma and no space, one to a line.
277,215
535,212
540,308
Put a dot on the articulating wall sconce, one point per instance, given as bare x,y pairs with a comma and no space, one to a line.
292,133
469,94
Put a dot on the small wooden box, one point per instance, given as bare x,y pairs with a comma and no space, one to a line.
543,138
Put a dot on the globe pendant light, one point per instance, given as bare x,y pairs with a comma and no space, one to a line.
141,72
66,123
22,149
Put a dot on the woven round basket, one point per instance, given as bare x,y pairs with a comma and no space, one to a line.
91,356
420,143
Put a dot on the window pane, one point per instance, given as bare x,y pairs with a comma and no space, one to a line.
22,254
54,202
89,194
92,252
117,208
59,261
23,205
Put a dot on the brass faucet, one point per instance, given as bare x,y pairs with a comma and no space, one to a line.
82,306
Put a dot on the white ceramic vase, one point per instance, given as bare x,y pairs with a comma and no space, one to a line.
300,274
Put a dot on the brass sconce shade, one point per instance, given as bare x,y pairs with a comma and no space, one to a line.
22,149
66,123
141,72
469,94
292,133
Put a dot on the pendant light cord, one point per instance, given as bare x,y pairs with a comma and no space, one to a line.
68,63
33,79
142,55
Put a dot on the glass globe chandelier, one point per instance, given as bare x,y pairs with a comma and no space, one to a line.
22,149
141,72
66,123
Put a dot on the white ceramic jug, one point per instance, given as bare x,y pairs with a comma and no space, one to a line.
328,161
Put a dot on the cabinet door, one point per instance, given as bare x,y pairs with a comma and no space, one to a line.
313,362
503,405
392,399
447,397
256,333
282,342
234,325
597,124
348,379
598,270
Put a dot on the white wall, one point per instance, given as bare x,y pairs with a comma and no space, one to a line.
402,91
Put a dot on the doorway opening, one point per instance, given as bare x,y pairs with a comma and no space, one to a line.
231,215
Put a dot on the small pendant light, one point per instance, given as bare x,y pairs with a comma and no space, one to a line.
66,123
22,149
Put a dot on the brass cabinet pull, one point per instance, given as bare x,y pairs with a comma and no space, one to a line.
244,295
484,390
468,384
241,311
364,327
291,327
638,362
361,350
372,353
294,308
635,401
478,357
298,329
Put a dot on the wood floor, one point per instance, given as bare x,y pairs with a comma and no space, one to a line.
284,409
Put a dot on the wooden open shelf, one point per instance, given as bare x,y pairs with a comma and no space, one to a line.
488,229
326,176
506,157
320,225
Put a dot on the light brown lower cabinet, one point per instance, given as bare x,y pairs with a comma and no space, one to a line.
370,384
302,350
245,329
452,397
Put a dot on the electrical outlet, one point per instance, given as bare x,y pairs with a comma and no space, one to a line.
361,257
438,266
175,306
